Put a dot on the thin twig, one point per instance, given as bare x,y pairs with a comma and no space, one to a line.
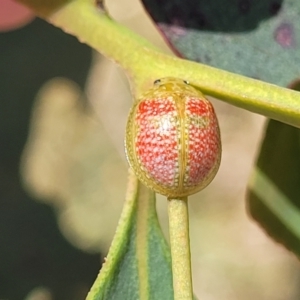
180,248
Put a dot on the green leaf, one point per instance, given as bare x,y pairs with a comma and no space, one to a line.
138,265
259,39
274,189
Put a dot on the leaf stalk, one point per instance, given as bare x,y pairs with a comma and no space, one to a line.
180,248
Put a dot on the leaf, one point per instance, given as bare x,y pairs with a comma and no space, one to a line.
274,193
259,39
70,162
138,263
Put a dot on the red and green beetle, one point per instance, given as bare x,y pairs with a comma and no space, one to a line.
173,139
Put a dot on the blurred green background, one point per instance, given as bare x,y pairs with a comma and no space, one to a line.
63,176
33,252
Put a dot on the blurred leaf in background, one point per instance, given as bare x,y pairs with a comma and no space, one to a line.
33,252
72,161
274,193
69,161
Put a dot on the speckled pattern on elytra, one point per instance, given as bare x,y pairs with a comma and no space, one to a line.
173,139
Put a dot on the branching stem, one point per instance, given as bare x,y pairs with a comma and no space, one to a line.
143,62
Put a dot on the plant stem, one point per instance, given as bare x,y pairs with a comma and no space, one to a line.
180,248
144,62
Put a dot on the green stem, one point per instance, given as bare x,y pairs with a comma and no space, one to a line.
109,37
144,63
180,248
